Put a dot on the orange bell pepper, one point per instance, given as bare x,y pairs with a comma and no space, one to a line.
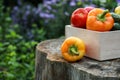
99,20
73,49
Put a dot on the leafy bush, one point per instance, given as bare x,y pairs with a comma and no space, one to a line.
17,54
29,21
51,17
17,61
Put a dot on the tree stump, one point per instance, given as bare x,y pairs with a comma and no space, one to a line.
50,65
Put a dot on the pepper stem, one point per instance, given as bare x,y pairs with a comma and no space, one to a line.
101,17
73,50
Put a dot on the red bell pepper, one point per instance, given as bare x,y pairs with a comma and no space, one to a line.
79,17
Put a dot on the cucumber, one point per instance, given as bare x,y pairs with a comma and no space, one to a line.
116,26
116,17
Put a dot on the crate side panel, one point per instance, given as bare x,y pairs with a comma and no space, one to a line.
110,43
90,38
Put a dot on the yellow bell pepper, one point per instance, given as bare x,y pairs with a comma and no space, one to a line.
117,10
73,49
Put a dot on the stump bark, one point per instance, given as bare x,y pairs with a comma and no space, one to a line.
50,65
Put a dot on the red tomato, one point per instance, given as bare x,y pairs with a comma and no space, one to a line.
79,17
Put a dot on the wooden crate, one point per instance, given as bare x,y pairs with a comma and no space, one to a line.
99,45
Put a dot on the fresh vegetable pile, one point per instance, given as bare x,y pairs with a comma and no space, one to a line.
90,18
116,17
96,19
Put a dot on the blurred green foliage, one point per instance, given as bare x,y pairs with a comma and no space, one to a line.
17,47
17,54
